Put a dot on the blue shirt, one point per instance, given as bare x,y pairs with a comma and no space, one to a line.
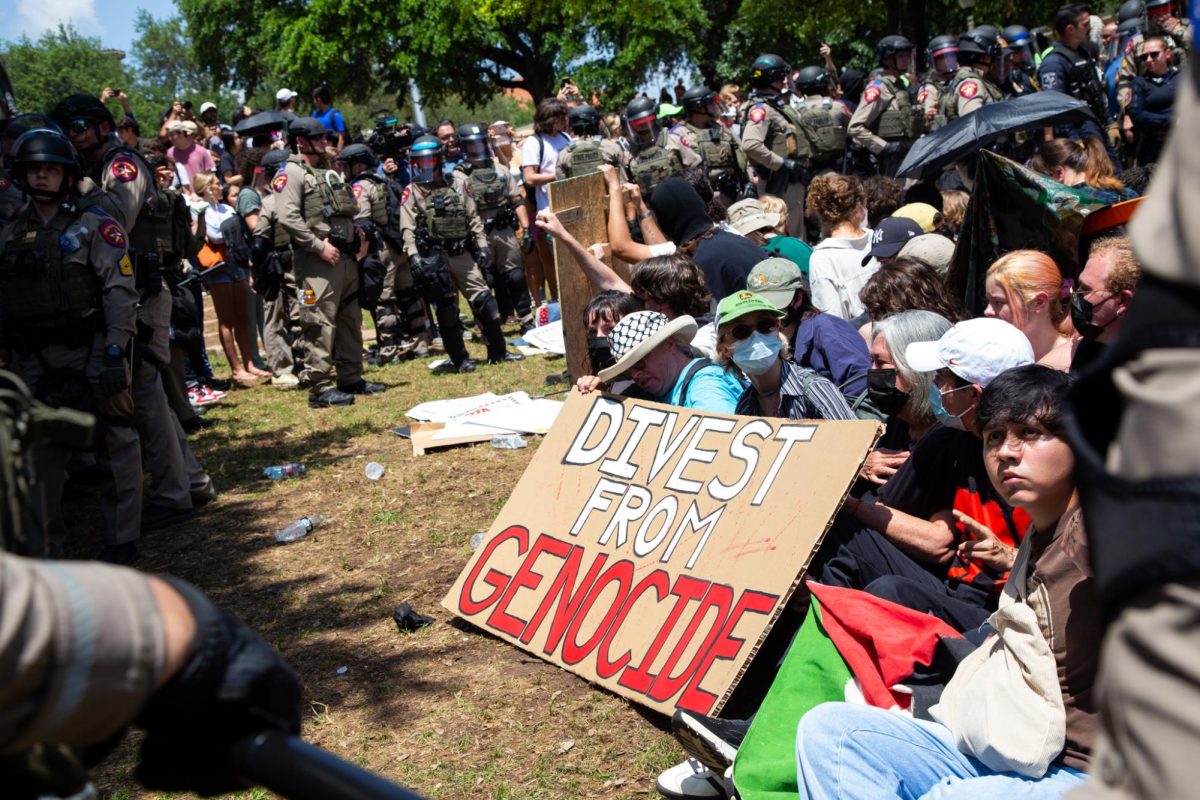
713,388
835,349
331,119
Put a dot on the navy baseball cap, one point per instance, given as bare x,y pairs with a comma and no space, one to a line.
890,237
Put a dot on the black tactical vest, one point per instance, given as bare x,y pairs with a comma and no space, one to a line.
490,189
444,214
45,278
586,157
654,164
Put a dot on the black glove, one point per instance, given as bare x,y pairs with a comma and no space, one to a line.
485,260
527,243
233,685
114,376
793,168
895,149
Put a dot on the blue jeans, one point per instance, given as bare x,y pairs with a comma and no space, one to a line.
854,752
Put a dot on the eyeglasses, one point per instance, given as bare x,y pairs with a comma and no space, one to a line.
1151,55
765,325
78,125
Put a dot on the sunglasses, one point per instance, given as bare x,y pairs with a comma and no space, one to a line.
78,125
765,325
1151,55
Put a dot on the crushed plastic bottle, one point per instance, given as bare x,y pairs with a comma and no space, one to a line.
509,441
476,540
300,528
374,471
282,471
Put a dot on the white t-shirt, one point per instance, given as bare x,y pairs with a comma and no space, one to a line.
213,217
550,147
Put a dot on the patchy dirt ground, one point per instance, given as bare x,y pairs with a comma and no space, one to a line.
448,711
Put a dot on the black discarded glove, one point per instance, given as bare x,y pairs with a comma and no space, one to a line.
114,376
233,685
895,149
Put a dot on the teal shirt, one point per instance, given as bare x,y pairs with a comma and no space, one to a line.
713,388
793,250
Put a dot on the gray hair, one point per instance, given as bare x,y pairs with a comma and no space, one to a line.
898,332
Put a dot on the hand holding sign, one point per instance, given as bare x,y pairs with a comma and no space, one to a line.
986,550
881,465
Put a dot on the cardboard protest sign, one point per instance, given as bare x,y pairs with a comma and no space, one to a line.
650,548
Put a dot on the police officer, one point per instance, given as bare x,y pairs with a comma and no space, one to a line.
275,280
701,132
588,150
438,225
395,306
942,57
501,207
1070,68
656,156
981,58
317,210
1018,48
11,197
157,223
772,140
886,123
823,120
67,318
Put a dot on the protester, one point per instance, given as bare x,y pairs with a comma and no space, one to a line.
621,211
539,158
954,211
1024,288
889,238
853,752
836,270
1081,164
749,338
884,195
185,151
1102,297
931,249
906,285
651,349
907,545
330,117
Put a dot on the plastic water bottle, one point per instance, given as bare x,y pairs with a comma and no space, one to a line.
508,441
300,528
284,471
374,471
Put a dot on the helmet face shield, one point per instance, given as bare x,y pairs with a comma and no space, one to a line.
945,60
1019,55
1000,67
476,150
424,168
643,129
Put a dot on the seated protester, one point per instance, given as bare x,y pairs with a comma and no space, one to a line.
888,239
670,284
1082,165
853,751
777,242
898,390
907,546
748,335
724,257
654,351
622,214
1024,288
932,250
600,316
817,341
907,285
1102,296
836,271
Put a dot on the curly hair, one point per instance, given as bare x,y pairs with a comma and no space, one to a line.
908,284
884,196
775,205
954,210
836,198
673,281
1126,273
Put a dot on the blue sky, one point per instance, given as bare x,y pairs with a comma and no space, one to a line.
110,20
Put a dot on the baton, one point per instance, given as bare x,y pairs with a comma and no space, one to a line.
294,769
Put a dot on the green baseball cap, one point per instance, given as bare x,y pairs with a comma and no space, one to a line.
777,280
741,303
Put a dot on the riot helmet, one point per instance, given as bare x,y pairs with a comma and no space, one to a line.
891,47
977,43
1160,7
475,144
309,128
702,100
1131,17
641,121
44,146
425,158
942,55
813,80
1018,44
584,120
78,114
23,123
357,154
768,69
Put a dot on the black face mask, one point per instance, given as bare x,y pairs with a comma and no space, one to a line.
1081,316
881,387
598,353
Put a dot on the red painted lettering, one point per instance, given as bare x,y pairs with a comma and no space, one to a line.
620,573
525,578
687,589
660,582
726,648
494,578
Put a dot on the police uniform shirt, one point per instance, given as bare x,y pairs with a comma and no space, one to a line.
370,196
102,246
296,190
1056,71
764,134
973,91
512,189
126,180
877,98
689,154
689,143
414,209
610,153
929,97
837,109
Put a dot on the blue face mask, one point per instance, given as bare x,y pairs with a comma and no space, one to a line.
953,421
757,353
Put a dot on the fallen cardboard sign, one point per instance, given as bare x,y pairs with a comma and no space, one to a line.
650,548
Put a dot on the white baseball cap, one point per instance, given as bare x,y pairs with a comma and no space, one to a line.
206,106
283,95
976,350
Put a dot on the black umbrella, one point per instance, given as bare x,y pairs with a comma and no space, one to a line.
967,135
264,122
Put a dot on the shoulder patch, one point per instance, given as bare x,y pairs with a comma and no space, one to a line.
405,195
358,191
968,89
124,169
1049,79
125,265
922,94
112,232
871,94
758,113
279,182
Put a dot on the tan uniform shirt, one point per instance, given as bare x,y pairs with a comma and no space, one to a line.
765,135
413,207
929,97
876,99
296,188
689,141
974,93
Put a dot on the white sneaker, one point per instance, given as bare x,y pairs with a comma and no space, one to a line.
691,779
285,381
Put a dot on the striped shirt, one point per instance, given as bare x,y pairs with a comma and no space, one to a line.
804,394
